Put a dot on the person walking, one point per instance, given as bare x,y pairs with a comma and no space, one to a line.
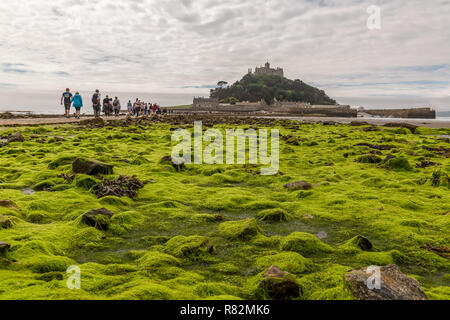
130,108
96,99
107,106
137,107
66,97
117,106
77,101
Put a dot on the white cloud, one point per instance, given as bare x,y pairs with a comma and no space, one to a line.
168,46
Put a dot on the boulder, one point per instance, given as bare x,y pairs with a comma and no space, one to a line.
394,285
16,137
99,218
277,284
91,167
298,185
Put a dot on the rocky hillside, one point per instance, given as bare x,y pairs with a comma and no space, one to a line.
253,88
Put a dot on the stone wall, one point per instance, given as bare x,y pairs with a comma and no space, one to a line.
415,113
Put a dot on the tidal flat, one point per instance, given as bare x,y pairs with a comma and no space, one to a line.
375,196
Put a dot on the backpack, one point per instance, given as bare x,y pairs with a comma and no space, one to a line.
116,103
95,98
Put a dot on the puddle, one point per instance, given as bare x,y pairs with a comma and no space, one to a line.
28,191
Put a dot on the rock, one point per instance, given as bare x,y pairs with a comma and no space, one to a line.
359,123
189,247
8,204
376,147
59,139
5,222
277,285
91,167
4,247
123,186
371,129
389,157
93,123
177,166
273,215
394,285
426,164
16,137
99,218
298,185
240,230
409,126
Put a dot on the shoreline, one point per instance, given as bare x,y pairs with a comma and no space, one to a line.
33,120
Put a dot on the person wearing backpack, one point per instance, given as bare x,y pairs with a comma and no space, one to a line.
66,97
96,98
107,107
77,104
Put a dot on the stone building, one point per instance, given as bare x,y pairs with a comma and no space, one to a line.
268,70
208,103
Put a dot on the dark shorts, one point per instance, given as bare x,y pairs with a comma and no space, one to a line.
67,106
78,109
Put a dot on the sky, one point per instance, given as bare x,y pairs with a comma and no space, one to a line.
186,47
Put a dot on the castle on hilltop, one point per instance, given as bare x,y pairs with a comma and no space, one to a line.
267,70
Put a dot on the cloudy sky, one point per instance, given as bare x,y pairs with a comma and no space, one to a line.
186,46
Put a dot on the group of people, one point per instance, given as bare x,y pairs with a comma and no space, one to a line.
108,105
139,108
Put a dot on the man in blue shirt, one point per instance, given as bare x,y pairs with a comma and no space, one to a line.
66,97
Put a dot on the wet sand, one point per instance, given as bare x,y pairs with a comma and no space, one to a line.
53,120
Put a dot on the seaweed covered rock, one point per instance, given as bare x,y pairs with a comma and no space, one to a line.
275,284
123,186
16,137
400,163
8,204
298,185
305,244
91,167
411,127
357,244
189,247
376,147
178,166
4,247
394,285
273,215
240,230
5,222
155,259
99,218
93,123
369,158
292,262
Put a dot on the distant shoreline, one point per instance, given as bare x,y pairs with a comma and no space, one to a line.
43,119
